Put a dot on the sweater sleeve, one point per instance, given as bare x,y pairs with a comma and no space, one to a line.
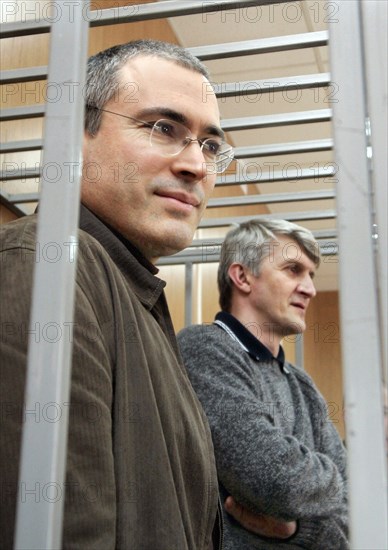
264,469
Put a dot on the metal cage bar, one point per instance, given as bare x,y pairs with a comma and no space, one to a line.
361,347
131,13
44,443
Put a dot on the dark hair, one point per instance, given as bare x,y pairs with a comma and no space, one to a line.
102,80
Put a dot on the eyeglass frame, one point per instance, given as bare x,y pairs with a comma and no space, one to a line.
187,141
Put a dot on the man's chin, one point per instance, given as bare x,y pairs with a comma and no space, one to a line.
296,327
173,245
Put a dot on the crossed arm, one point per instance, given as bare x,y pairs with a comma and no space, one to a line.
260,524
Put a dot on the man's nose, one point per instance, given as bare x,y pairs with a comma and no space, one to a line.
191,164
307,287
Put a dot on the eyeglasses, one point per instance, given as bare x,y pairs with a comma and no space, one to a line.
172,137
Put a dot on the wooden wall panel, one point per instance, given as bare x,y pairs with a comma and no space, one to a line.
6,215
322,353
174,275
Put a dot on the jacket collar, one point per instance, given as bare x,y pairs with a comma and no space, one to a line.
135,267
247,340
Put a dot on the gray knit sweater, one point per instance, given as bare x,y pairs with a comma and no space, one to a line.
276,450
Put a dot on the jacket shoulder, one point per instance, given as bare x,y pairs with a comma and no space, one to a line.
18,233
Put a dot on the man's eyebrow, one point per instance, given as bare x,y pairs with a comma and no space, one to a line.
178,117
300,264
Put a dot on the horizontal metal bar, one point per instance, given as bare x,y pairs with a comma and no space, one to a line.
326,247
4,200
284,148
272,198
173,8
319,234
19,146
290,216
27,74
260,46
18,113
212,255
20,198
24,28
13,173
225,89
281,119
131,13
268,85
245,176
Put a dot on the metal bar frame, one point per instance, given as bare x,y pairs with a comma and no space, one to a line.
211,254
374,16
4,200
19,173
27,74
136,12
21,198
228,89
21,146
188,294
271,85
44,443
284,148
245,178
361,346
281,119
17,113
172,8
261,46
297,196
290,216
319,235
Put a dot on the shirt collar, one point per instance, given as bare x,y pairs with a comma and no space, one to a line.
139,272
247,340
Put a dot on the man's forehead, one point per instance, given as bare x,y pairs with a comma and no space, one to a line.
289,250
145,65
149,82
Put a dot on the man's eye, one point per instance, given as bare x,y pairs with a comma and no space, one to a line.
212,146
165,128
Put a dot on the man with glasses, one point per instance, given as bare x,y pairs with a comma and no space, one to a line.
140,465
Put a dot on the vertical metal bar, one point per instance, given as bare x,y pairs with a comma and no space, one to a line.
358,294
299,350
374,18
44,440
188,294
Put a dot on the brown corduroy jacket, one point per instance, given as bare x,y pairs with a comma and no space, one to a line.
140,465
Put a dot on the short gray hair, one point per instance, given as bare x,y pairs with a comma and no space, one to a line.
102,78
248,244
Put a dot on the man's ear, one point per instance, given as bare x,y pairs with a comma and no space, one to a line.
238,274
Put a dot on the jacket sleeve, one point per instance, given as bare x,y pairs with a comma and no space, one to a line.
89,489
264,469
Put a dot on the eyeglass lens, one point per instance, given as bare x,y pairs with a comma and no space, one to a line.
172,137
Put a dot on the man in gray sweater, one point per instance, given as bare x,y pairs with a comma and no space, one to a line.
276,451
